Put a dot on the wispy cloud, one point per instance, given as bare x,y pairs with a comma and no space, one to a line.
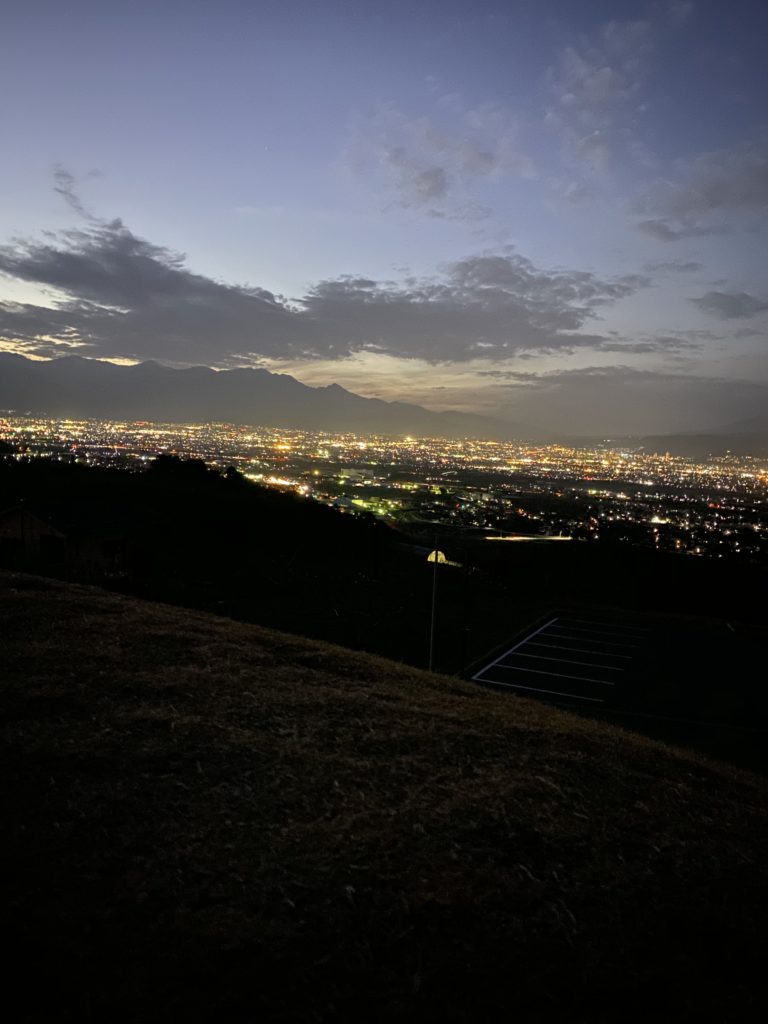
431,163
663,231
65,184
595,83
625,400
713,185
730,305
675,266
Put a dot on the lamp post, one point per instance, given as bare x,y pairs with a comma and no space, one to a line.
434,556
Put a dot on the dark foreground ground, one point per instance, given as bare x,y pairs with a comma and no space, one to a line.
208,821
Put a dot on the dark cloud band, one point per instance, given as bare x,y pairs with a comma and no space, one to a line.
125,296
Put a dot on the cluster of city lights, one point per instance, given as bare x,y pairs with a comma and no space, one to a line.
717,506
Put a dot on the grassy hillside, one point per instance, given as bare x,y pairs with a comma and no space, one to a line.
186,535
209,821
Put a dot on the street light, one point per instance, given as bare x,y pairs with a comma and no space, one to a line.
435,556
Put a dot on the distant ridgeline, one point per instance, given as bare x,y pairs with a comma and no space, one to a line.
89,389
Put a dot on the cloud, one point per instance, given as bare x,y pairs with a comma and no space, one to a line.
421,161
675,266
417,185
573,192
469,212
662,231
664,344
65,186
676,12
714,184
730,305
126,296
509,375
121,295
623,400
486,306
594,85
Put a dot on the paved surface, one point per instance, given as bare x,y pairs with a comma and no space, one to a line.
687,681
580,660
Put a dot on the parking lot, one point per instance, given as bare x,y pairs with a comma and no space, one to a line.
688,681
569,659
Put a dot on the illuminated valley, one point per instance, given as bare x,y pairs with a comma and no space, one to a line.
507,490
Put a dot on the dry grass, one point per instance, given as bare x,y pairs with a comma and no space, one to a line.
209,821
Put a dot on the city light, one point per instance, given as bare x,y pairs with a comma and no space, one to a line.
512,490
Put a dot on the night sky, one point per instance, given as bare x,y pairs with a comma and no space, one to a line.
553,212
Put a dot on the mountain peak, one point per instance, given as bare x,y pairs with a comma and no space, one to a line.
152,391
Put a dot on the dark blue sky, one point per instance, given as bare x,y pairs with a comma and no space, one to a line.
518,207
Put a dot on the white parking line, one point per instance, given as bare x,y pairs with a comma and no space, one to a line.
549,636
580,650
520,644
534,689
560,675
603,633
568,661
607,643
610,625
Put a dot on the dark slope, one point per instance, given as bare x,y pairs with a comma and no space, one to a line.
207,821
86,388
